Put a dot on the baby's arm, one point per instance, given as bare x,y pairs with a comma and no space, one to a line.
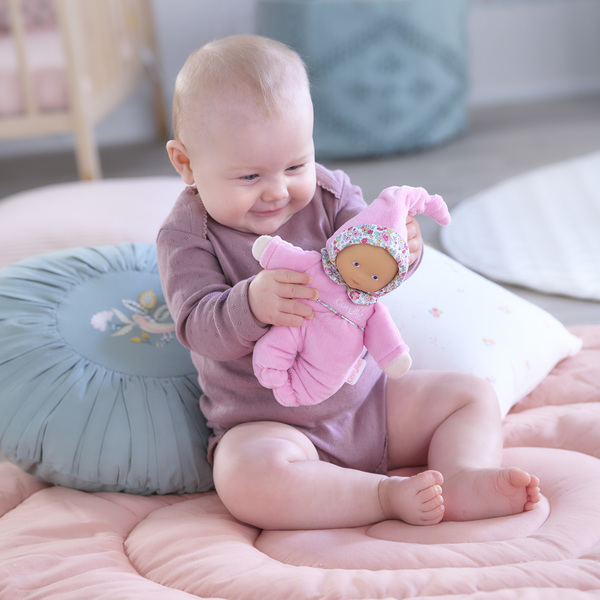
212,316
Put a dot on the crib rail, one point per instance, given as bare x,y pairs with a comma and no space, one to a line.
108,46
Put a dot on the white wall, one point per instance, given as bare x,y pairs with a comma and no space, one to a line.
520,50
532,49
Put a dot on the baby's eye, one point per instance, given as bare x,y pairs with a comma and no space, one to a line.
374,277
356,264
249,177
294,168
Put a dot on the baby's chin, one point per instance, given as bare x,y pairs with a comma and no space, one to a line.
268,226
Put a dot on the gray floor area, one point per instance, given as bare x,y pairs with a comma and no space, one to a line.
501,142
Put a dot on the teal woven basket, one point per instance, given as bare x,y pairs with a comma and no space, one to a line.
387,76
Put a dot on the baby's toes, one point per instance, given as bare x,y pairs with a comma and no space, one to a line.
533,494
429,494
433,511
429,479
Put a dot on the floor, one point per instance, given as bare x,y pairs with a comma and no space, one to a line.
500,142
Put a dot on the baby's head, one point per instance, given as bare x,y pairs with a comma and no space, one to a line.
237,71
243,120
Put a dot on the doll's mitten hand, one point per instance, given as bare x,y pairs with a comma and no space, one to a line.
260,245
399,366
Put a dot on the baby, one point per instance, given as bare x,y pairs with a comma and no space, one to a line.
243,123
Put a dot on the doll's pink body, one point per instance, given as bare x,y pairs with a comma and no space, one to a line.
308,364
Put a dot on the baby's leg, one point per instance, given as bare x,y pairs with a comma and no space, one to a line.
459,434
269,475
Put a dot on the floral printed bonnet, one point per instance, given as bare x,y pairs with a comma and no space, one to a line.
383,223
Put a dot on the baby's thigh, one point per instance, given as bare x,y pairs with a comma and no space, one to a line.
419,402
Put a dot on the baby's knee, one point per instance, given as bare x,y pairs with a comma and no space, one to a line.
480,391
251,459
476,390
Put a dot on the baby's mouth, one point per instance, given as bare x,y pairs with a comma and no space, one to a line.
270,212
267,213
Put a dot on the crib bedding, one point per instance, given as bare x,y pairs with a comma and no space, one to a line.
60,543
47,63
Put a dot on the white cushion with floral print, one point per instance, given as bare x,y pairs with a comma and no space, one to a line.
95,390
456,320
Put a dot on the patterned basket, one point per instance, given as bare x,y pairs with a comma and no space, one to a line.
387,76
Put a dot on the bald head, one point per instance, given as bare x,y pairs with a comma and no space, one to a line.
245,70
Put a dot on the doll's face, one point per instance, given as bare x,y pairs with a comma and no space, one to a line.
366,268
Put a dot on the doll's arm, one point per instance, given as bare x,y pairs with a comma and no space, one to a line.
384,342
275,253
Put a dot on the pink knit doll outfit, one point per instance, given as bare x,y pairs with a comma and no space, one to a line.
308,364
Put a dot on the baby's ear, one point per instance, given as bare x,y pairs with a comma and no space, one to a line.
180,160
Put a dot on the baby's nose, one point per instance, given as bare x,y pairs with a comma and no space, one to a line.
275,191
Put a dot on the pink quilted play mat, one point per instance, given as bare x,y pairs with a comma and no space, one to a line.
62,544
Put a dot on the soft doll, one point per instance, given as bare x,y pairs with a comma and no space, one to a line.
365,259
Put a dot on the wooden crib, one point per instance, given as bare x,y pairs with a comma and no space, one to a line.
65,64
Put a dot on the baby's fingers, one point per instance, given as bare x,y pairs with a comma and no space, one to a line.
294,313
415,240
295,285
294,290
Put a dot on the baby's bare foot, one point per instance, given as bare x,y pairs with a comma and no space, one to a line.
487,493
416,500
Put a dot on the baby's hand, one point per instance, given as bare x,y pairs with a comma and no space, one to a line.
415,239
273,295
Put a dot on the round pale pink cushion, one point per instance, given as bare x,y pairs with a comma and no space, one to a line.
90,213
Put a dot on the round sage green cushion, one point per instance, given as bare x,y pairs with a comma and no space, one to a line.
96,393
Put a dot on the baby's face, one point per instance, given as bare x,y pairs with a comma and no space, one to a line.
365,267
256,171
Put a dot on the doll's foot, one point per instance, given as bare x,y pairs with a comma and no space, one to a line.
416,500
286,396
487,493
272,378
398,367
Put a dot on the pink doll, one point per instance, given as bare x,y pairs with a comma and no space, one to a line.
365,259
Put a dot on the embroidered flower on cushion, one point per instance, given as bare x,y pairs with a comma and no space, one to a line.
155,323
100,320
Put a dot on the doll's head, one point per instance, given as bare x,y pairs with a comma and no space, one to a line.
378,245
365,267
369,254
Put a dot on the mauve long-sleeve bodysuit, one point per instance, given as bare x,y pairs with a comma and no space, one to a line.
205,271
